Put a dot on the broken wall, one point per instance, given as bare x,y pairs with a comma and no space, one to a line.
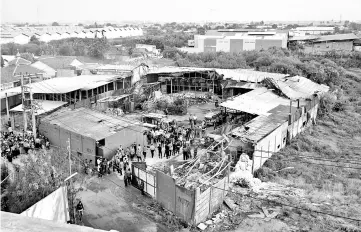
209,200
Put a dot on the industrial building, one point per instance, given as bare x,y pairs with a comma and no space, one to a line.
90,132
239,40
302,31
326,43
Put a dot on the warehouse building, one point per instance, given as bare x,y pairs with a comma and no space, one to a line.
234,41
90,133
326,43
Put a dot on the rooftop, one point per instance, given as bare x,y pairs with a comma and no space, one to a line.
263,125
89,123
58,62
349,36
315,28
19,61
12,73
297,87
258,101
247,75
11,222
66,84
42,105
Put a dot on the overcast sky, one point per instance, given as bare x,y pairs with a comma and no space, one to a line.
46,11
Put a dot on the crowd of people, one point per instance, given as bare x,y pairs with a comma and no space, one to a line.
13,144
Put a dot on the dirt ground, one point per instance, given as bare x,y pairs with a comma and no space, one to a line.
109,205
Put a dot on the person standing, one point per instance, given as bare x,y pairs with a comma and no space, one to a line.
185,156
152,149
144,152
167,151
125,179
129,176
160,150
170,148
139,152
142,187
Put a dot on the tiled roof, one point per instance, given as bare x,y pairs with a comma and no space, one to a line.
26,69
19,61
7,74
58,62
12,73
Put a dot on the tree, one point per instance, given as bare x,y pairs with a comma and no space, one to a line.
274,26
55,24
34,40
38,176
98,47
66,50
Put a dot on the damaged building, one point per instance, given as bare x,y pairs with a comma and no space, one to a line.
179,79
283,109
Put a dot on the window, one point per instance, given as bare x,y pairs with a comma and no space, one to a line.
101,142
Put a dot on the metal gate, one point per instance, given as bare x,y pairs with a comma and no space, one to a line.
148,179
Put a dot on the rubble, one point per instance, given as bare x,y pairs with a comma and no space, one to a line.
202,226
209,222
230,203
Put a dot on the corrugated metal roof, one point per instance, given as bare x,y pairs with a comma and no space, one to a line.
298,87
262,125
65,84
258,128
113,98
304,38
247,75
258,101
44,106
89,123
338,37
243,85
177,69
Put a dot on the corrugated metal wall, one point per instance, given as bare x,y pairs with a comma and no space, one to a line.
236,45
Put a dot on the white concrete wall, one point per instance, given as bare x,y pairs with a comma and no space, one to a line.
223,45
54,207
249,44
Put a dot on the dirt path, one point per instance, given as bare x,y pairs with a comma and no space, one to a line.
108,205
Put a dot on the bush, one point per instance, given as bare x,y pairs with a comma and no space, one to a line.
326,105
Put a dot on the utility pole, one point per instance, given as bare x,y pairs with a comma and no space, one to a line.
23,103
71,207
69,152
32,111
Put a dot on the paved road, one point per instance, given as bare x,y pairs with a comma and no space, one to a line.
108,206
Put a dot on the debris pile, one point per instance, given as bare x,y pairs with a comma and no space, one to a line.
208,168
243,173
